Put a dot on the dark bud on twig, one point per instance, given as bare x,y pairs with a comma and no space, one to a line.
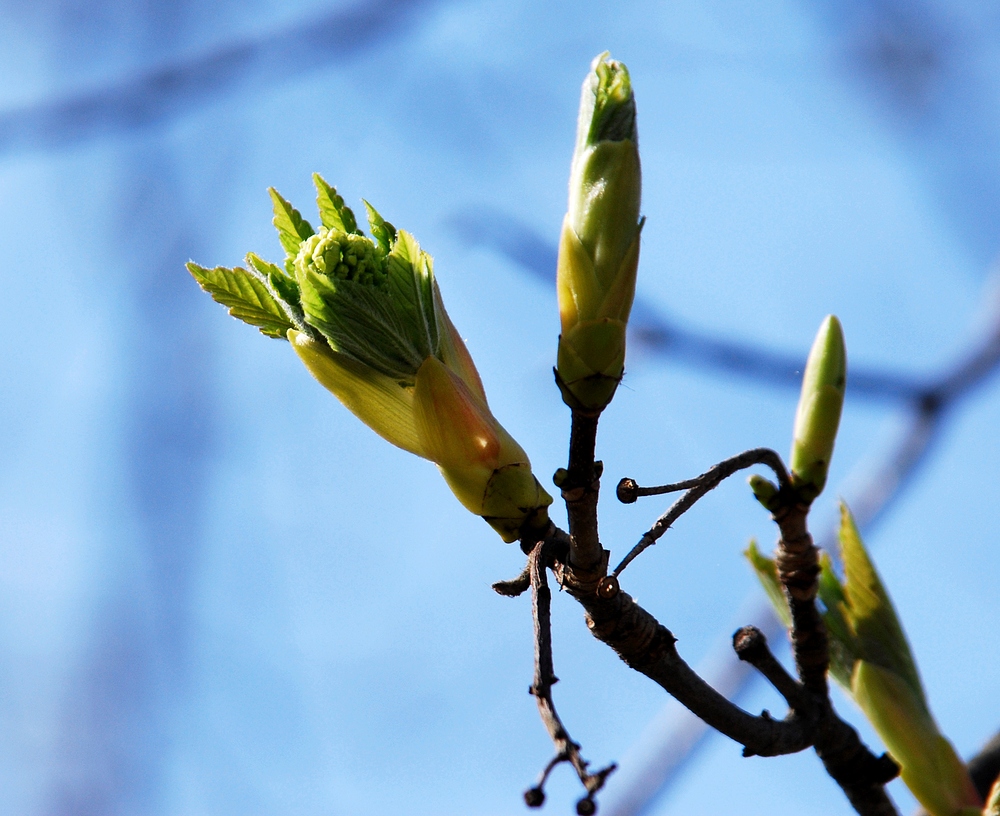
586,807
534,797
628,491
559,477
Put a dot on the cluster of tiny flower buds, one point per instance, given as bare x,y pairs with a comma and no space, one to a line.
343,256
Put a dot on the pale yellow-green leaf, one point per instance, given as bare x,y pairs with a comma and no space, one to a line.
377,400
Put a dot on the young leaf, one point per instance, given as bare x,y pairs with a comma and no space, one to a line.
246,297
411,286
292,228
334,213
361,322
843,648
767,574
285,287
382,231
880,637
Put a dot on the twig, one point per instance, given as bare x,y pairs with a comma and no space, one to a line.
580,484
515,586
750,645
165,92
648,647
566,749
860,774
696,488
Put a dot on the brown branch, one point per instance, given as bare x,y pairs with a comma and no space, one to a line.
628,491
566,749
580,485
797,560
860,774
750,645
648,647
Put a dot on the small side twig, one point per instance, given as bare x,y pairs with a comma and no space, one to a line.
629,491
566,749
750,645
515,586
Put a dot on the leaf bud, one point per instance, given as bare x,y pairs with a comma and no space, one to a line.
764,490
818,415
599,244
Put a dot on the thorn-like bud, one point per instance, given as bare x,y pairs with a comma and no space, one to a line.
818,414
764,490
534,797
599,246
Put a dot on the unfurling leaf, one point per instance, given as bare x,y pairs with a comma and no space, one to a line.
334,214
767,574
292,228
247,298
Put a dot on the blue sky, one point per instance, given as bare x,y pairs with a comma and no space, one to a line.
221,594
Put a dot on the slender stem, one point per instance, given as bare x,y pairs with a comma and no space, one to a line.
750,645
798,570
581,489
696,488
648,647
566,749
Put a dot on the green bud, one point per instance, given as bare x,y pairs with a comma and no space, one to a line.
599,246
818,414
342,256
764,490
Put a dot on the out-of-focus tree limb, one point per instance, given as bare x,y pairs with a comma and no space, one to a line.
171,90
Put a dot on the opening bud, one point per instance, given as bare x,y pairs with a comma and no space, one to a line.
366,318
599,244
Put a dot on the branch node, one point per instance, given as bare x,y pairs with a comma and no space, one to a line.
608,587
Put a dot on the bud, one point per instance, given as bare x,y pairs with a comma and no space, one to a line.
818,414
764,490
366,318
870,654
929,765
599,245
